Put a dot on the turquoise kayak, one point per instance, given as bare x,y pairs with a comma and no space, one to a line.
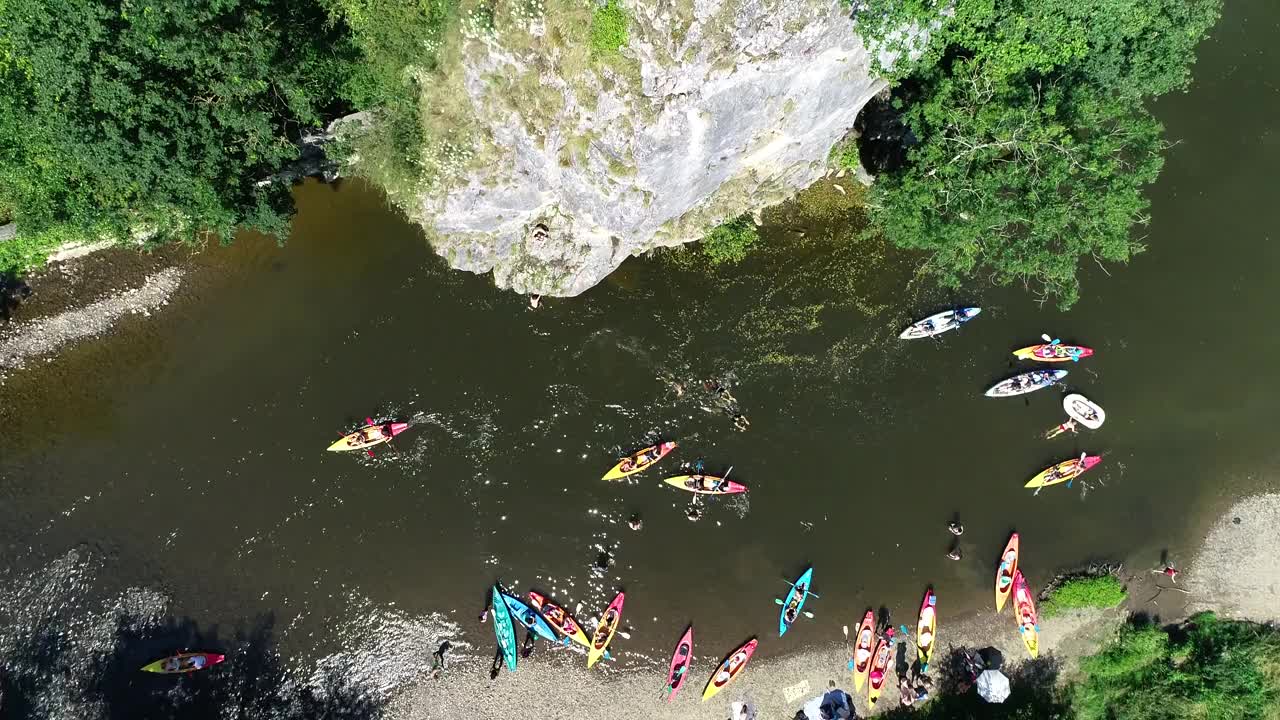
530,618
799,593
503,629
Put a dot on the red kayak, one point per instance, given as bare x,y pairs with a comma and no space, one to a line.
1049,352
559,618
680,661
184,662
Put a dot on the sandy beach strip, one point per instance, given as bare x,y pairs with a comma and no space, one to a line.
1237,571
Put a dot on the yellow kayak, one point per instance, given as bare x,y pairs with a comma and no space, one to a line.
705,484
368,436
639,461
1025,616
605,630
1063,471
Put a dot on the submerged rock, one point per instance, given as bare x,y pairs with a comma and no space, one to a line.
712,109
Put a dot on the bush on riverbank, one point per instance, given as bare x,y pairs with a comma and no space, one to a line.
1034,141
157,119
1102,592
1207,668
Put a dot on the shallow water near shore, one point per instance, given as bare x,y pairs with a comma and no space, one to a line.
176,469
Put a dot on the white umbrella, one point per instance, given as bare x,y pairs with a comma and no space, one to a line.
993,686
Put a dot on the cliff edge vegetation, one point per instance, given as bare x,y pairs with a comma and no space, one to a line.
1028,138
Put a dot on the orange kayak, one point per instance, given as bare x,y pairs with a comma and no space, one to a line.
864,642
1004,573
559,618
639,461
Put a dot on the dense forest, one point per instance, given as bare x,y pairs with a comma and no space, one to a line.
1029,140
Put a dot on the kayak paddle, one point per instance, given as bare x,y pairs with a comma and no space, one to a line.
845,628
806,592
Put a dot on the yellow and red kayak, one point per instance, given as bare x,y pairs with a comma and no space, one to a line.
1050,352
729,669
1004,573
639,461
705,484
864,641
1024,607
368,436
605,629
559,618
1063,471
927,629
185,662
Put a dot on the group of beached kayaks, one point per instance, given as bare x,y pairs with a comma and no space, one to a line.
872,651
1078,407
1011,582
551,622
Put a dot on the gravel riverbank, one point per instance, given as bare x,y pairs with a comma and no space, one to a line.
555,685
24,340
1237,573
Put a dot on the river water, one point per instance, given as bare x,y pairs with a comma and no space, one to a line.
168,485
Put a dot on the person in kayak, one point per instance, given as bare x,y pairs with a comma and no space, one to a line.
626,465
1006,563
793,607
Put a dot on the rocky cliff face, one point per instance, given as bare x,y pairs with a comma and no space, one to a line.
713,108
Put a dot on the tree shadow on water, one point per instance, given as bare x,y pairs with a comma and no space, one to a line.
252,682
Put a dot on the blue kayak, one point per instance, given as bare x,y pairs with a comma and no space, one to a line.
503,629
799,593
530,618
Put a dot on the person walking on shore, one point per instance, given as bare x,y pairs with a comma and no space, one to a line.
1170,571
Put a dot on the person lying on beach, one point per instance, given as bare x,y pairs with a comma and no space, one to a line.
906,695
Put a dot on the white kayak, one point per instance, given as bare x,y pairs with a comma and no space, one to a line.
1084,410
940,323
1025,382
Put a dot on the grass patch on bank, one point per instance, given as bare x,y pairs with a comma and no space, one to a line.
1207,668
1103,592
609,28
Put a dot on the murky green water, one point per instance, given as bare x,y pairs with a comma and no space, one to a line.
185,454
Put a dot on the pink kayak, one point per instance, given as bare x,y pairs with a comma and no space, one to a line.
680,661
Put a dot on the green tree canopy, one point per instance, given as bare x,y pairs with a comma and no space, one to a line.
1034,143
136,115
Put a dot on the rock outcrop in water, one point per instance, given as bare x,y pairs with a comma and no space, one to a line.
714,108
